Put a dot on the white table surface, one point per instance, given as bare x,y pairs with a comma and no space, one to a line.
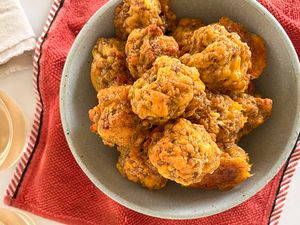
19,87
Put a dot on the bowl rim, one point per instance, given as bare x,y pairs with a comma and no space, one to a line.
159,214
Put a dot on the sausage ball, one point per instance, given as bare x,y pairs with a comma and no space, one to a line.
133,14
184,152
164,91
255,43
184,32
114,121
134,164
221,116
109,64
256,109
233,170
145,45
221,58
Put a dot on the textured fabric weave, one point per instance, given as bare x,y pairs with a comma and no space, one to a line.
55,187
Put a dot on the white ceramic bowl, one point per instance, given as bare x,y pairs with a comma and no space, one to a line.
268,146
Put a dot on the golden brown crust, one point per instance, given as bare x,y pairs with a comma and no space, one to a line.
165,91
234,169
222,117
184,153
133,14
134,164
198,102
256,109
114,120
258,59
221,58
145,45
230,118
109,64
184,32
255,42
204,36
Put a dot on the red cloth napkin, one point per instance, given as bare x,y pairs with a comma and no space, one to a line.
48,182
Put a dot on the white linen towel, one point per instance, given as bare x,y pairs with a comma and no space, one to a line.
17,38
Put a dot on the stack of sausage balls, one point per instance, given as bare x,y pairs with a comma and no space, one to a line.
176,96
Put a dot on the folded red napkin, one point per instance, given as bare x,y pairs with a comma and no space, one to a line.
49,183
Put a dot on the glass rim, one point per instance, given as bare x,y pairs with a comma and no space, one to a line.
4,152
